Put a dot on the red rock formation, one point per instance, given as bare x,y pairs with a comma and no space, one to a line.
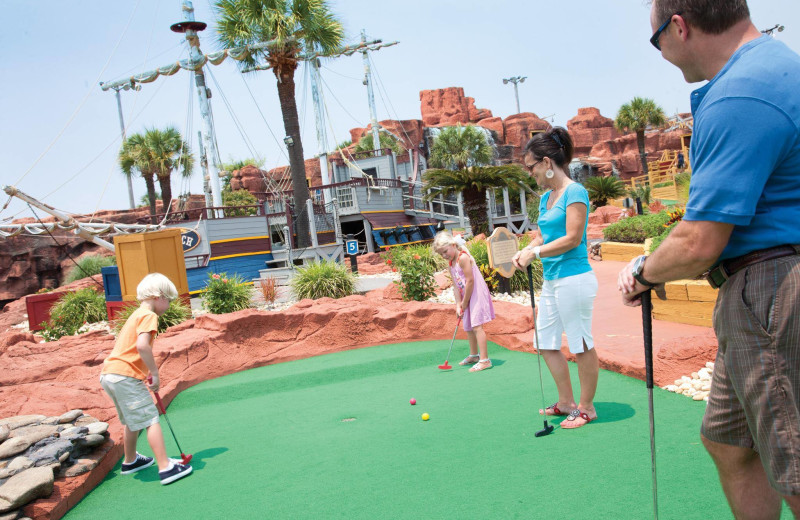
448,107
625,151
251,178
589,128
495,124
518,130
409,131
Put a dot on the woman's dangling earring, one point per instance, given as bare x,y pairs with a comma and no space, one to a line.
549,174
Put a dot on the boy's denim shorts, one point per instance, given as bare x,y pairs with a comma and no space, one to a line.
130,396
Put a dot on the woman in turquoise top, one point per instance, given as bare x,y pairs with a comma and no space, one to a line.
570,286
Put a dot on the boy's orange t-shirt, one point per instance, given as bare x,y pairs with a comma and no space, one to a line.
125,360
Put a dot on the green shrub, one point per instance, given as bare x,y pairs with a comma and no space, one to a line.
416,277
225,294
635,230
176,313
532,208
74,310
405,254
89,266
239,198
519,282
682,181
326,279
662,185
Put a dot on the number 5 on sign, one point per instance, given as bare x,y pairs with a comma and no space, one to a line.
502,247
352,247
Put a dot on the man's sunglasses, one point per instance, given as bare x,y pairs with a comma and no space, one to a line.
657,34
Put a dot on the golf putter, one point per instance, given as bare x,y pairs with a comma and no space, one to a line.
548,429
446,366
647,329
185,459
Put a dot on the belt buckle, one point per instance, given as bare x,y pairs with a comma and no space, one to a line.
717,276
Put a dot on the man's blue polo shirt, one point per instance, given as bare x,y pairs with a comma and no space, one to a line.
745,149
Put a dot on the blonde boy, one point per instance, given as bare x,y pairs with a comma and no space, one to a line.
127,368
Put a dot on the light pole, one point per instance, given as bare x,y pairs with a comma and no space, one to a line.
515,80
116,89
777,27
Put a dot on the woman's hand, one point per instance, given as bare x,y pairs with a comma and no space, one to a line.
459,310
523,258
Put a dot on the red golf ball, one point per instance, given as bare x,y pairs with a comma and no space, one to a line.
413,401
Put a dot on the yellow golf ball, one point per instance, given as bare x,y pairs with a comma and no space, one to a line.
425,417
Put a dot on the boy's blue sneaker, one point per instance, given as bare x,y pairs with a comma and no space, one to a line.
141,462
174,471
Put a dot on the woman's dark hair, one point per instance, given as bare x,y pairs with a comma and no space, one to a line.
554,143
710,16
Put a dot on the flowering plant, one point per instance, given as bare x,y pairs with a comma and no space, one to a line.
225,294
416,279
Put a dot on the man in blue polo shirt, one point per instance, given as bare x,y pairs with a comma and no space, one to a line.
742,224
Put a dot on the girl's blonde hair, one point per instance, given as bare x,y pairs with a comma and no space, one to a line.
444,239
156,285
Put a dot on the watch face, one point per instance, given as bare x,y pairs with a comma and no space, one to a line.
638,265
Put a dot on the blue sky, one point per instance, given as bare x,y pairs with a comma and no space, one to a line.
59,135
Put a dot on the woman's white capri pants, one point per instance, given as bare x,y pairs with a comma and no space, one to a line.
566,305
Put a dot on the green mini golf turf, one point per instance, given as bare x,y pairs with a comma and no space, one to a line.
335,437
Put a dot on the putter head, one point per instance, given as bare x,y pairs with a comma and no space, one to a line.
186,459
547,430
445,366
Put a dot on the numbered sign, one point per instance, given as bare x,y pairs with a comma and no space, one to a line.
352,247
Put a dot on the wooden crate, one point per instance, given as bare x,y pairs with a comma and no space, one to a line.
154,252
620,252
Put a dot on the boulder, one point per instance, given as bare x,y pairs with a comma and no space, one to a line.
13,446
21,420
25,486
70,416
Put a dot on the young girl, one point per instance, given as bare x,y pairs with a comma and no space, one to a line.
473,301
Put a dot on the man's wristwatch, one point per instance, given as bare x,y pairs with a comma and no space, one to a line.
638,267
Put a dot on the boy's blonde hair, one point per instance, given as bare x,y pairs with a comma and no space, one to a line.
156,285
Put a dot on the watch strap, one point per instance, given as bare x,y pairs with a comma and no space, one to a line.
641,279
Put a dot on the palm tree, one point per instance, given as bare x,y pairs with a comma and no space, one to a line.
155,155
460,156
603,188
295,26
635,117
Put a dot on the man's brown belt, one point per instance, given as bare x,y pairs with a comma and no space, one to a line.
720,274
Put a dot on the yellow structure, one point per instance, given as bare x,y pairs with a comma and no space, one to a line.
620,251
662,172
688,301
155,252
